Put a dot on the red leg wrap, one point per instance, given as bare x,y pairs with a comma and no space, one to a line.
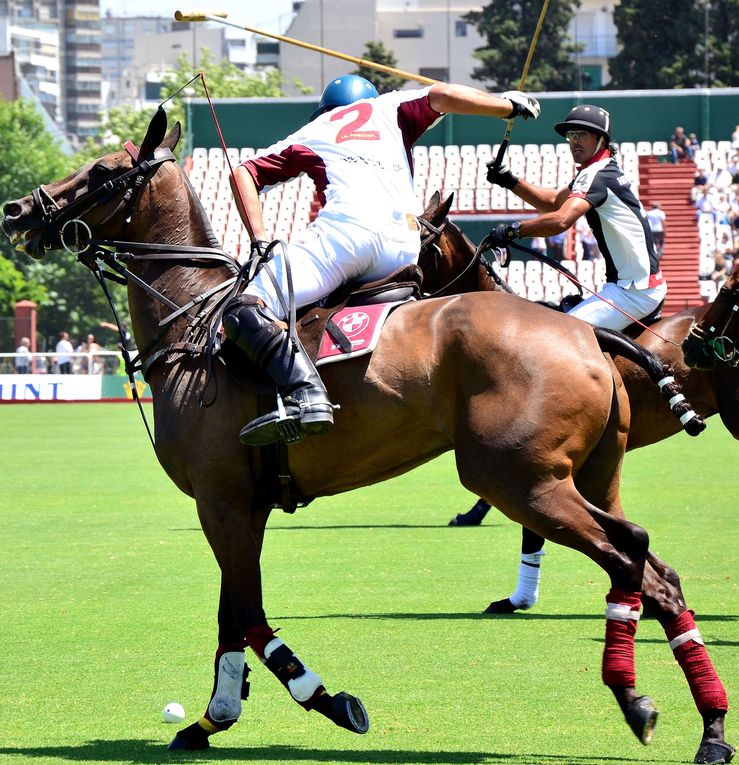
618,653
258,637
708,691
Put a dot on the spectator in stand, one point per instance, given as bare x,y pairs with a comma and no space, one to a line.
656,217
735,138
719,177
91,362
23,359
721,268
733,168
680,148
700,180
703,203
556,246
587,240
539,245
694,143
64,350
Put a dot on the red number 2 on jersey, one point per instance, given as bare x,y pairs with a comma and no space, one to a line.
352,130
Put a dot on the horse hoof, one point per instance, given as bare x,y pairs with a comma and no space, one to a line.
189,739
344,710
713,752
465,519
501,607
642,718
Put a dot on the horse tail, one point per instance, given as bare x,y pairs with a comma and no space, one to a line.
618,344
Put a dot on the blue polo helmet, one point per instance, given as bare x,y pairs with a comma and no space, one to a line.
342,91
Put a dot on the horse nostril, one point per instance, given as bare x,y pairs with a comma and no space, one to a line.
12,209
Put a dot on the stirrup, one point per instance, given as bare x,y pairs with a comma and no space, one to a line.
288,427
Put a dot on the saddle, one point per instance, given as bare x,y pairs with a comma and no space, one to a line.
313,321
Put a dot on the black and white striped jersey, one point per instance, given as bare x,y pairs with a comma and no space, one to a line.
619,223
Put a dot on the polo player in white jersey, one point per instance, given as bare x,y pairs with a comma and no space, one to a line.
357,150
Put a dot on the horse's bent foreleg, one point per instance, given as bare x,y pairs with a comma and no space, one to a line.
303,684
664,598
529,573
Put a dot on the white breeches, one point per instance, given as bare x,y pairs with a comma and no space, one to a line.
331,252
637,303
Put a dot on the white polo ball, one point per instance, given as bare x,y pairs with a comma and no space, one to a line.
173,713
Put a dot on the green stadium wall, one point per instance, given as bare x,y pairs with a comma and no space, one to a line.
636,116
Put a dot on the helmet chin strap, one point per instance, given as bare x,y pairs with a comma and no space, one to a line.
599,145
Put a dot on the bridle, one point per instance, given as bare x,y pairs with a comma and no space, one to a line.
108,260
55,218
714,340
430,242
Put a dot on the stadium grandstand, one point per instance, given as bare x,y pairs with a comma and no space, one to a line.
692,238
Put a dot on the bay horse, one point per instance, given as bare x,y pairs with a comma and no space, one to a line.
708,375
536,415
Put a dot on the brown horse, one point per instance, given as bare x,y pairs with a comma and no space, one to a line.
451,253
536,415
710,383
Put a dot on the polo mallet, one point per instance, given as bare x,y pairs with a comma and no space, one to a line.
220,18
498,161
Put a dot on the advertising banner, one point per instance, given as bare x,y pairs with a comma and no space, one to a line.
27,388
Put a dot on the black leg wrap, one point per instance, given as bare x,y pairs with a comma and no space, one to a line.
641,715
344,710
192,738
712,752
473,517
285,665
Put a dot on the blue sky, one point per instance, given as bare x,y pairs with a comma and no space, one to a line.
271,17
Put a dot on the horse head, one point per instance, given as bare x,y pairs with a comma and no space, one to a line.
95,201
715,337
448,258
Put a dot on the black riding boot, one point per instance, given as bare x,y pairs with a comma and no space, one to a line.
304,408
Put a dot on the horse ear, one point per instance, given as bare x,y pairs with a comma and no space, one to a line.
173,137
154,133
446,206
431,206
436,210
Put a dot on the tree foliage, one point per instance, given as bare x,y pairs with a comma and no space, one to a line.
676,45
383,81
509,28
723,51
661,45
223,79
29,157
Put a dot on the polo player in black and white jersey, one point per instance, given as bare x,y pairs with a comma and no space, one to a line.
603,194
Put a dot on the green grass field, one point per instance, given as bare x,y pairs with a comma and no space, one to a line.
110,593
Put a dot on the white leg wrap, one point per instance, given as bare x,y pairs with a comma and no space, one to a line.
621,612
303,687
527,588
689,635
226,703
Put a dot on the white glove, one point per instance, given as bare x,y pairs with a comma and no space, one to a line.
523,106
